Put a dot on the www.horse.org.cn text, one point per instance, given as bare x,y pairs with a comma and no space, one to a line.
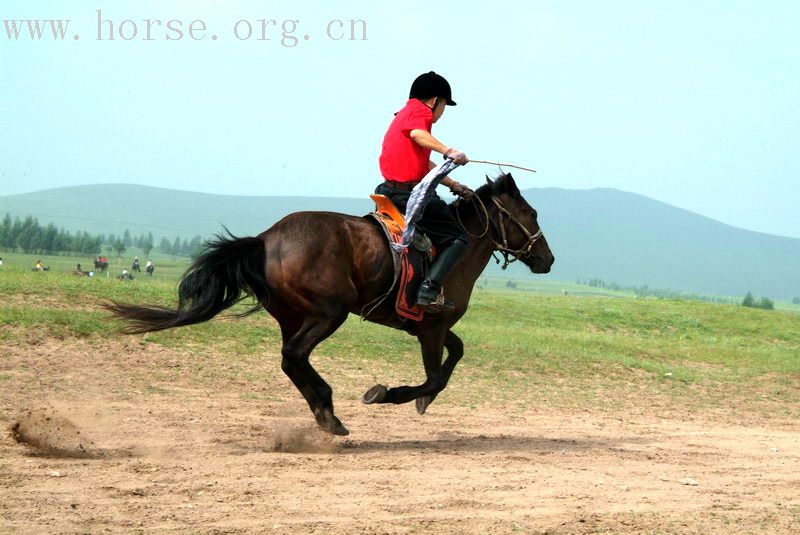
287,32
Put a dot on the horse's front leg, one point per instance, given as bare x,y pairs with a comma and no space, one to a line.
432,344
455,350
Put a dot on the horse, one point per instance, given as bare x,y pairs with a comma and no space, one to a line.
311,269
100,266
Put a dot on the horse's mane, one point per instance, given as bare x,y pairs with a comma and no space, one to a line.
502,183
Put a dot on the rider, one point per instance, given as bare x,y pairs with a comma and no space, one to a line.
404,162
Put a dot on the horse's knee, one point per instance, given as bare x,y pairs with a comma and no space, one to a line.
453,342
436,383
454,346
290,359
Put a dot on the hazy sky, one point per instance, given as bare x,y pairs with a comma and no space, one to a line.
694,103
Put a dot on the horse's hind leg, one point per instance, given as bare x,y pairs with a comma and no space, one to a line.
300,337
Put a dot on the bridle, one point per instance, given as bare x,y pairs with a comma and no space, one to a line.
501,245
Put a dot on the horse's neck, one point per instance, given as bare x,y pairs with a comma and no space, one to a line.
477,256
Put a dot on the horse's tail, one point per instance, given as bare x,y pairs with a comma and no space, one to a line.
227,271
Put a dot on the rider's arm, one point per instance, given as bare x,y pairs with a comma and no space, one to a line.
425,139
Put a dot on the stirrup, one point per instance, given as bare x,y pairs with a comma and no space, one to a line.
437,305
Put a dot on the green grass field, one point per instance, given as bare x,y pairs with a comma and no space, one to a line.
606,350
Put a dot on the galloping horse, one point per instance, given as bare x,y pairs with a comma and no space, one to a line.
311,269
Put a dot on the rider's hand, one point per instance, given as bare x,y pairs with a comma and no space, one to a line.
457,156
462,191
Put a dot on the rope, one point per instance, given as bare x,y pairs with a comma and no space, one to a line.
476,201
378,301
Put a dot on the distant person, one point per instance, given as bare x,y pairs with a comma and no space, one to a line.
80,272
38,266
1,260
149,267
100,263
135,266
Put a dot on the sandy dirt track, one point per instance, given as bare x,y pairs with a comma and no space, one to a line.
108,448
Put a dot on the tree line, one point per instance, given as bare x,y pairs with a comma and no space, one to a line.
647,291
31,237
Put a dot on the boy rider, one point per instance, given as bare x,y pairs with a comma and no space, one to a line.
404,162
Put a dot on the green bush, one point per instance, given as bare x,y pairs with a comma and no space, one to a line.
763,303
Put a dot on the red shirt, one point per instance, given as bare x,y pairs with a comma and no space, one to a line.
402,160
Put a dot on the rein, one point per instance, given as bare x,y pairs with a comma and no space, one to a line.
509,255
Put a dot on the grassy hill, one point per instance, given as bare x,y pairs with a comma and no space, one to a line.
620,237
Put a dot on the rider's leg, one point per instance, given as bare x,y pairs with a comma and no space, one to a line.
444,263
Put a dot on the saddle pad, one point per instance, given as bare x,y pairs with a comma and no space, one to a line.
413,273
409,269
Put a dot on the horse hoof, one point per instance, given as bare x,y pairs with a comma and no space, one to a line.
376,394
422,404
331,424
341,430
335,429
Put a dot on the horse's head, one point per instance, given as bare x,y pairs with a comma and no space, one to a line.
513,224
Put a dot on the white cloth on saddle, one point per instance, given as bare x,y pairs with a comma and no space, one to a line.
419,198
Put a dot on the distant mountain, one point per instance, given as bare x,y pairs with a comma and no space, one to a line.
111,208
620,237
634,240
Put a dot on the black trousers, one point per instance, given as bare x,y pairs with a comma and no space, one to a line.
437,221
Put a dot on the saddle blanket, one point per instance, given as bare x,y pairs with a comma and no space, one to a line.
411,262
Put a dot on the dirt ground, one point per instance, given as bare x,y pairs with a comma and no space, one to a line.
111,436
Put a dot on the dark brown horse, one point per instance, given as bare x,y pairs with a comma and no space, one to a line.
311,269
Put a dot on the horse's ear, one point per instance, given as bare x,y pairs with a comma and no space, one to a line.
489,180
510,184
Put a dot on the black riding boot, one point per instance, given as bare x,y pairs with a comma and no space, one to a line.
430,290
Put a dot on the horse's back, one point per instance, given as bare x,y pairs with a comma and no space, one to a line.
328,253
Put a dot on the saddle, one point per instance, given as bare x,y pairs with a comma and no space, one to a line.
411,263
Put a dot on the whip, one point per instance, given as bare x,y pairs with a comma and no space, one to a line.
503,165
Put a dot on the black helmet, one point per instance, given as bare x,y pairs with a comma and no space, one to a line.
429,85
